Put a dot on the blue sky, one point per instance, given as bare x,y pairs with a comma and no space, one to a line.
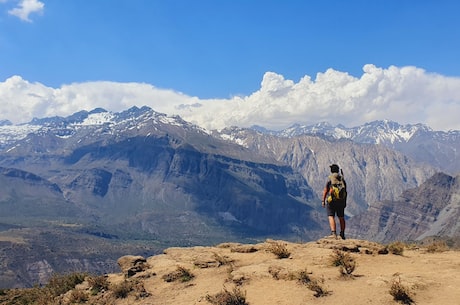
207,50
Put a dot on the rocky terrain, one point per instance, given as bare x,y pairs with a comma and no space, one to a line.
274,272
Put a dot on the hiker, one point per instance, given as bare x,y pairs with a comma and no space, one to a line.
335,199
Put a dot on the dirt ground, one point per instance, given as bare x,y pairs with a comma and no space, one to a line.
265,279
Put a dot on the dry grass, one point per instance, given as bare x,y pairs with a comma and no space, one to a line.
400,292
437,247
279,249
181,274
235,297
47,295
98,284
396,248
344,261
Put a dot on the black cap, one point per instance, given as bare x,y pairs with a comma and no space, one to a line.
334,168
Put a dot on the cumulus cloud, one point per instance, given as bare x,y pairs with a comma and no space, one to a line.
402,94
27,7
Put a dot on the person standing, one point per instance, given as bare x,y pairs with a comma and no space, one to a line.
335,200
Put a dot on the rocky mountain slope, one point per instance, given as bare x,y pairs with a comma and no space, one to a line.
417,141
373,173
433,209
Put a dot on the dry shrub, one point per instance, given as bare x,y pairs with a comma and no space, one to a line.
181,274
400,292
235,297
317,287
304,277
396,248
275,272
32,296
344,261
98,284
122,290
61,283
437,247
49,294
280,250
78,296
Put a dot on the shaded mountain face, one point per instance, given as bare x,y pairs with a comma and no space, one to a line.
143,163
373,173
432,209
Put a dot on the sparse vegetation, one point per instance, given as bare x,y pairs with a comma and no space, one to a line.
396,248
344,261
61,283
400,292
121,290
181,274
304,277
46,295
437,246
78,296
279,249
235,297
317,287
98,284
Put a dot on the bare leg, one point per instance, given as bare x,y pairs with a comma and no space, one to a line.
332,223
342,227
342,224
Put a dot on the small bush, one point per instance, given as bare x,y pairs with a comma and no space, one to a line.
61,283
400,293
181,274
280,250
122,290
78,296
396,248
236,297
98,284
304,277
317,287
437,246
344,261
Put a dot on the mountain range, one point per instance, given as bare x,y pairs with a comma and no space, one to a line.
77,191
437,148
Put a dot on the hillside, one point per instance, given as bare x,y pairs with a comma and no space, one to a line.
255,274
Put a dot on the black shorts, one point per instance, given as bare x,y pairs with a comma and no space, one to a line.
336,208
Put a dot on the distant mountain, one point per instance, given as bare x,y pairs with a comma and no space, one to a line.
437,148
432,209
373,172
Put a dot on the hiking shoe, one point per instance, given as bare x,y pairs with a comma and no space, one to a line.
342,235
333,235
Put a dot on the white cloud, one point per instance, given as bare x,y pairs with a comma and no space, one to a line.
402,94
27,7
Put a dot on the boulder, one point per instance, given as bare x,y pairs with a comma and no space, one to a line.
131,264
